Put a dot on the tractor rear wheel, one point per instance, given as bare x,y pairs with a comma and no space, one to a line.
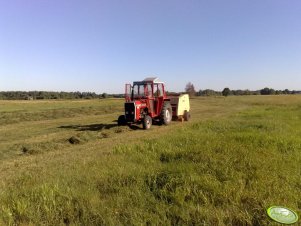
186,115
147,122
166,113
121,120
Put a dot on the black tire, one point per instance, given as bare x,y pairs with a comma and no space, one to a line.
186,115
121,120
147,122
166,113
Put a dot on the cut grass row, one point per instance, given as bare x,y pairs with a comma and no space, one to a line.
27,111
43,129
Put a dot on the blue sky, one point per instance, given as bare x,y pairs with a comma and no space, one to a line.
99,45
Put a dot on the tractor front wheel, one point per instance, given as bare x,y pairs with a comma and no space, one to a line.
166,113
121,120
147,122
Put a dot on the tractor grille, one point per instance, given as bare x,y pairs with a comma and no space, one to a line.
130,111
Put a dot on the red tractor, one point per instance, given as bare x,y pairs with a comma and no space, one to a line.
145,102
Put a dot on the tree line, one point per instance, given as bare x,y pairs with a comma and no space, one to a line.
228,92
46,95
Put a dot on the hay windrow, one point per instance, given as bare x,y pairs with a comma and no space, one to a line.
74,140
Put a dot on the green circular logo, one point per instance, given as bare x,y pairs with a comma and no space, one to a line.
282,215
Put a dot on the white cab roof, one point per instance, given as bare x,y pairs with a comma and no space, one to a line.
152,79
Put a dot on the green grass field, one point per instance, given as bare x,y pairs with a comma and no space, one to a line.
235,158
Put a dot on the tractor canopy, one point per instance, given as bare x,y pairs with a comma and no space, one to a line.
148,88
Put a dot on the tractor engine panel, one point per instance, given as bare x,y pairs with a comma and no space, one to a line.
130,111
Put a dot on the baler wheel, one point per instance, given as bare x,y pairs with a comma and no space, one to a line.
186,115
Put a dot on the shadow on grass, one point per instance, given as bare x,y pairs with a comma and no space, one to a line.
98,127
91,127
134,127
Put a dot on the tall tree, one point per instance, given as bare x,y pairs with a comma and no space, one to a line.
190,89
267,91
226,92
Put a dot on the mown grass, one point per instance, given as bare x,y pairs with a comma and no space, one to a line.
238,156
18,111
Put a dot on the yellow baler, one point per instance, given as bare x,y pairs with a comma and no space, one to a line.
180,107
